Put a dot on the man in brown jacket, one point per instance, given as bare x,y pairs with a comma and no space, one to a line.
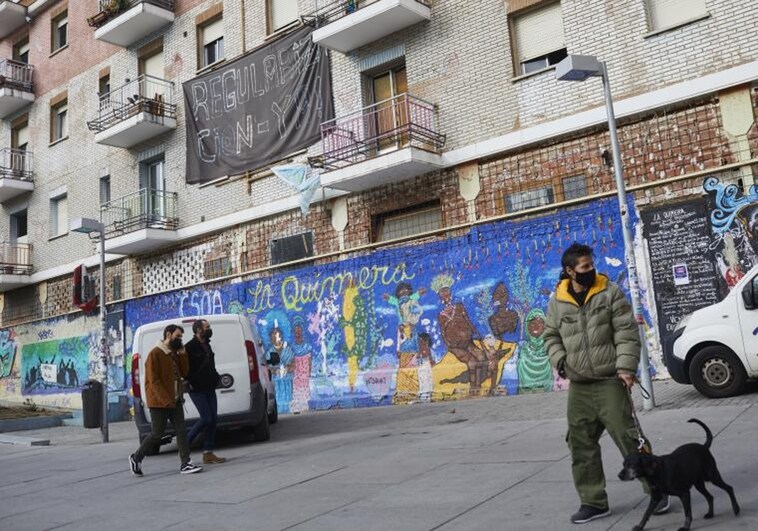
165,367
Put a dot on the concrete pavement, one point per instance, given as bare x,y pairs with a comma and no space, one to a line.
498,463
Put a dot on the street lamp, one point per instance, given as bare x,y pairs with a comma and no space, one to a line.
88,226
579,68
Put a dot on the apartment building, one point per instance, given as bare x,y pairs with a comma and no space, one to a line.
455,167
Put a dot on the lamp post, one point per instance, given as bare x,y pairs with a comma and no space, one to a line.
88,226
579,68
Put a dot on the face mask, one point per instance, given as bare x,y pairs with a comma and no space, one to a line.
586,279
176,343
208,333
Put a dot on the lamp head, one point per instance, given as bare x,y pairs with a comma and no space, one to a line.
578,68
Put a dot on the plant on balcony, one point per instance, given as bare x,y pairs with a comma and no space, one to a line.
109,9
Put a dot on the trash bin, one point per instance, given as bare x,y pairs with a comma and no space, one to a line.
92,404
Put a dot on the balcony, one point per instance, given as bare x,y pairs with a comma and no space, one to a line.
16,89
140,222
12,17
124,22
135,112
390,141
15,173
15,265
349,24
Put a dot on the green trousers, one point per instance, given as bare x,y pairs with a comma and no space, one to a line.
593,408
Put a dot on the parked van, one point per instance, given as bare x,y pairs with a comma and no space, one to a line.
716,348
246,397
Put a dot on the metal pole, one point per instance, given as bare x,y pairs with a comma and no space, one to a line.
103,337
631,265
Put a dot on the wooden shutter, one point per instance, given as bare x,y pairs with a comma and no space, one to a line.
667,13
539,32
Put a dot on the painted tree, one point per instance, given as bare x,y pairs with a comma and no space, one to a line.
525,292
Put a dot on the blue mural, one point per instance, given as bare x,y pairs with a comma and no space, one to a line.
446,319
57,366
7,352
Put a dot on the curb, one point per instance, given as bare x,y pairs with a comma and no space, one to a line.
32,423
23,441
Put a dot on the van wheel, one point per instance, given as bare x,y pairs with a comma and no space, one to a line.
262,431
717,373
273,417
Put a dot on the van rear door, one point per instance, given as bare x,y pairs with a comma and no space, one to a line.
228,344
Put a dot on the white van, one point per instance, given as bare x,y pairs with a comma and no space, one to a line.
246,397
716,348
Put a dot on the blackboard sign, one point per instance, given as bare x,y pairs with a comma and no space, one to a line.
684,278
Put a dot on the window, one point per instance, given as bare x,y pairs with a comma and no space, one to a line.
281,13
20,136
211,37
408,221
291,248
538,38
534,198
19,227
59,121
21,51
105,189
574,187
60,31
59,215
667,14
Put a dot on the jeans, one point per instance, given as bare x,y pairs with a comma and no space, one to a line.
206,405
158,419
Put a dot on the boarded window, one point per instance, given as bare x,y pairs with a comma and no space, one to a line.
291,248
538,38
663,14
574,187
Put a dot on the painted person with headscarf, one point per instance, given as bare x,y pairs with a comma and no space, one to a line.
534,370
301,390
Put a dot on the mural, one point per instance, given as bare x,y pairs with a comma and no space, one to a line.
734,224
7,352
453,318
57,366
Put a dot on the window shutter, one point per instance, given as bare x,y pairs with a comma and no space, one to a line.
22,136
283,12
213,31
667,13
539,32
153,66
62,215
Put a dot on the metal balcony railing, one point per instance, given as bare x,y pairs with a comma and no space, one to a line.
145,209
146,93
15,258
341,8
110,9
402,121
15,74
16,164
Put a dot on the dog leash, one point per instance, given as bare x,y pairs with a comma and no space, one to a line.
642,447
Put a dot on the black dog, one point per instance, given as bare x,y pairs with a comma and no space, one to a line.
675,474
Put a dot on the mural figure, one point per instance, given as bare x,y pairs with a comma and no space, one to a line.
504,320
301,391
459,333
409,311
425,364
534,370
283,374
7,352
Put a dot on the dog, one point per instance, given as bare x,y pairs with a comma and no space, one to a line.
690,465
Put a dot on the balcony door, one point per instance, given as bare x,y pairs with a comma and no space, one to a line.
19,145
390,115
152,67
19,228
156,192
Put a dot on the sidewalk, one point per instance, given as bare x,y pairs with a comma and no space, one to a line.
498,463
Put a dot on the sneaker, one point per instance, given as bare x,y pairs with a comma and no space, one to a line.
135,466
587,513
209,458
166,439
663,506
189,468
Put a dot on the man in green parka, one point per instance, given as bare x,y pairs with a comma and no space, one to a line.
593,340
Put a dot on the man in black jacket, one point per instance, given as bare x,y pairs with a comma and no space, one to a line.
203,380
